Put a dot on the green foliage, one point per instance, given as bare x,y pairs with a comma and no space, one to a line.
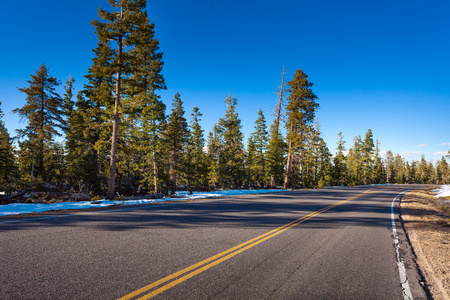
95,198
367,159
195,160
257,153
214,148
44,112
176,137
8,167
276,159
118,129
340,170
300,112
232,154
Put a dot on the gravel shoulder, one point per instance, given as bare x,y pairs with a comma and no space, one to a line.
427,223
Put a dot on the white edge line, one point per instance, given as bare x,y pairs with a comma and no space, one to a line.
401,266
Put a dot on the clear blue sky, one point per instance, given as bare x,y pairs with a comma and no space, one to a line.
383,65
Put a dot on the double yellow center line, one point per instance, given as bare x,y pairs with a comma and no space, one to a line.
223,256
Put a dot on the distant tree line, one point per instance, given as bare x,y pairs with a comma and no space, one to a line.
119,138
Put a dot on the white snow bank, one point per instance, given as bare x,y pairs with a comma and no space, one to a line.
443,191
24,208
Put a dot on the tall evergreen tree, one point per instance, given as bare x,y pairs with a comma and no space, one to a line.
231,159
85,172
128,26
355,175
176,136
195,158
399,169
442,171
277,147
317,162
149,142
8,169
325,171
378,166
44,113
276,156
339,163
414,171
367,153
423,173
250,162
259,138
214,149
68,103
281,102
389,167
300,112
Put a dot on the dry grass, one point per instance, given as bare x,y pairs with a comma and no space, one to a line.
427,222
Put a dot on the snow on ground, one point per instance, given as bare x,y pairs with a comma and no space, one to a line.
25,208
443,191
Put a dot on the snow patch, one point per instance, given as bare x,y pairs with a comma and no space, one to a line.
443,191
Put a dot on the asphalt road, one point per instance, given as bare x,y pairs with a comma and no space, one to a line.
312,244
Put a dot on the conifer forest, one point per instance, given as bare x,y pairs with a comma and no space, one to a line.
115,136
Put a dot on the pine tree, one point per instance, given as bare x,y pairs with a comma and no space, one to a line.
432,173
94,108
55,160
176,136
128,26
250,162
442,171
8,169
68,98
44,113
231,158
325,177
339,163
399,169
195,158
85,172
414,171
408,173
150,145
355,176
389,167
258,139
367,153
378,166
321,160
300,112
423,171
214,148
281,102
277,147
276,156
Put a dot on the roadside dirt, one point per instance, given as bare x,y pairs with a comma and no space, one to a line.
427,223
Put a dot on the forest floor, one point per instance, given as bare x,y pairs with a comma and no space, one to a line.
427,223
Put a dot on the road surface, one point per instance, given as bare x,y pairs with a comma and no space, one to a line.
311,244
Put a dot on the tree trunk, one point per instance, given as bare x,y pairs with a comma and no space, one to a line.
115,133
155,172
287,179
272,181
280,101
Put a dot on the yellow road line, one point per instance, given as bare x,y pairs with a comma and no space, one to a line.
225,255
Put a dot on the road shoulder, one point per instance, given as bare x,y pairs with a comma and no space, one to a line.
427,224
